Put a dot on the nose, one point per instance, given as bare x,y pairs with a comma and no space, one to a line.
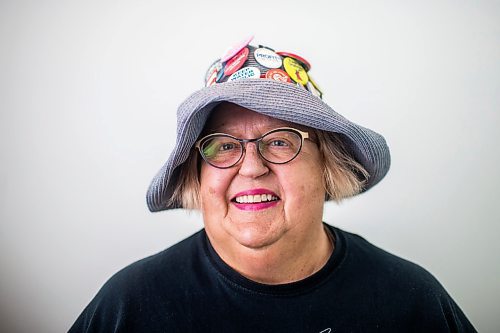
252,164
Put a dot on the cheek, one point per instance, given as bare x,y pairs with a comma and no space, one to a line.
213,183
310,190
304,186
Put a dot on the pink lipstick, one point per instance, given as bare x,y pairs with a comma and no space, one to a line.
255,199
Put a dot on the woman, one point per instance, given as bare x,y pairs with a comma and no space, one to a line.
258,153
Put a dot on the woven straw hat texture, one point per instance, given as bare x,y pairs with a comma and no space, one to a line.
279,100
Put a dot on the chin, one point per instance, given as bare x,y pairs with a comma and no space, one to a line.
255,236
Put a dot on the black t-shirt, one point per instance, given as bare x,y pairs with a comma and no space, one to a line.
188,288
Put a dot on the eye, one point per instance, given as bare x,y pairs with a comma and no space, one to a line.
219,145
226,146
278,143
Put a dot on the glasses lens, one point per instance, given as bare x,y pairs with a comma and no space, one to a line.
221,151
280,146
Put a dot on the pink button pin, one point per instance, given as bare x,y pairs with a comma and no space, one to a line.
235,49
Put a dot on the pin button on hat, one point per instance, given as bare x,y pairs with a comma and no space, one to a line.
278,75
220,75
296,71
315,86
245,73
235,49
236,62
212,79
212,73
313,90
211,69
267,58
306,64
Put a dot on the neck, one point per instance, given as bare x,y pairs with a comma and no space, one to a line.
283,262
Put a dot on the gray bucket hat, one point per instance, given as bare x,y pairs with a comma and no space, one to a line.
289,94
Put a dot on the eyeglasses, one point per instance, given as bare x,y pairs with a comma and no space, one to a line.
278,146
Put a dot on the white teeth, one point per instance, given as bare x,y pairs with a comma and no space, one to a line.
255,198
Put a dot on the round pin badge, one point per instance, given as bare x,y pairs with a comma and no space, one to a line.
220,74
278,75
213,71
245,73
315,86
216,65
231,52
212,79
267,58
295,70
236,62
301,60
313,90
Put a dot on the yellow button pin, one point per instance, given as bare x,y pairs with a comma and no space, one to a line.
295,70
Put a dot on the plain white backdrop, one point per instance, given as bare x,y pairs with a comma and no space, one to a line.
88,96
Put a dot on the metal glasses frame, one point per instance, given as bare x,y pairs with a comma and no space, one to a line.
303,135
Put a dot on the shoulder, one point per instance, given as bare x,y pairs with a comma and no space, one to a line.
376,262
167,264
407,289
146,288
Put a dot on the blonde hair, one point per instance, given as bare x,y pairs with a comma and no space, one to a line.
343,177
187,189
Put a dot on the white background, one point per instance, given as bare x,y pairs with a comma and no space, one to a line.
88,95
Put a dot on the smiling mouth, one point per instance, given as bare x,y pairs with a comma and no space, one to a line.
256,198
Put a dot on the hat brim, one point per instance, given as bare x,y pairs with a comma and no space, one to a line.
279,100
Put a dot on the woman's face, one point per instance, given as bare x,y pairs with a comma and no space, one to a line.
297,185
